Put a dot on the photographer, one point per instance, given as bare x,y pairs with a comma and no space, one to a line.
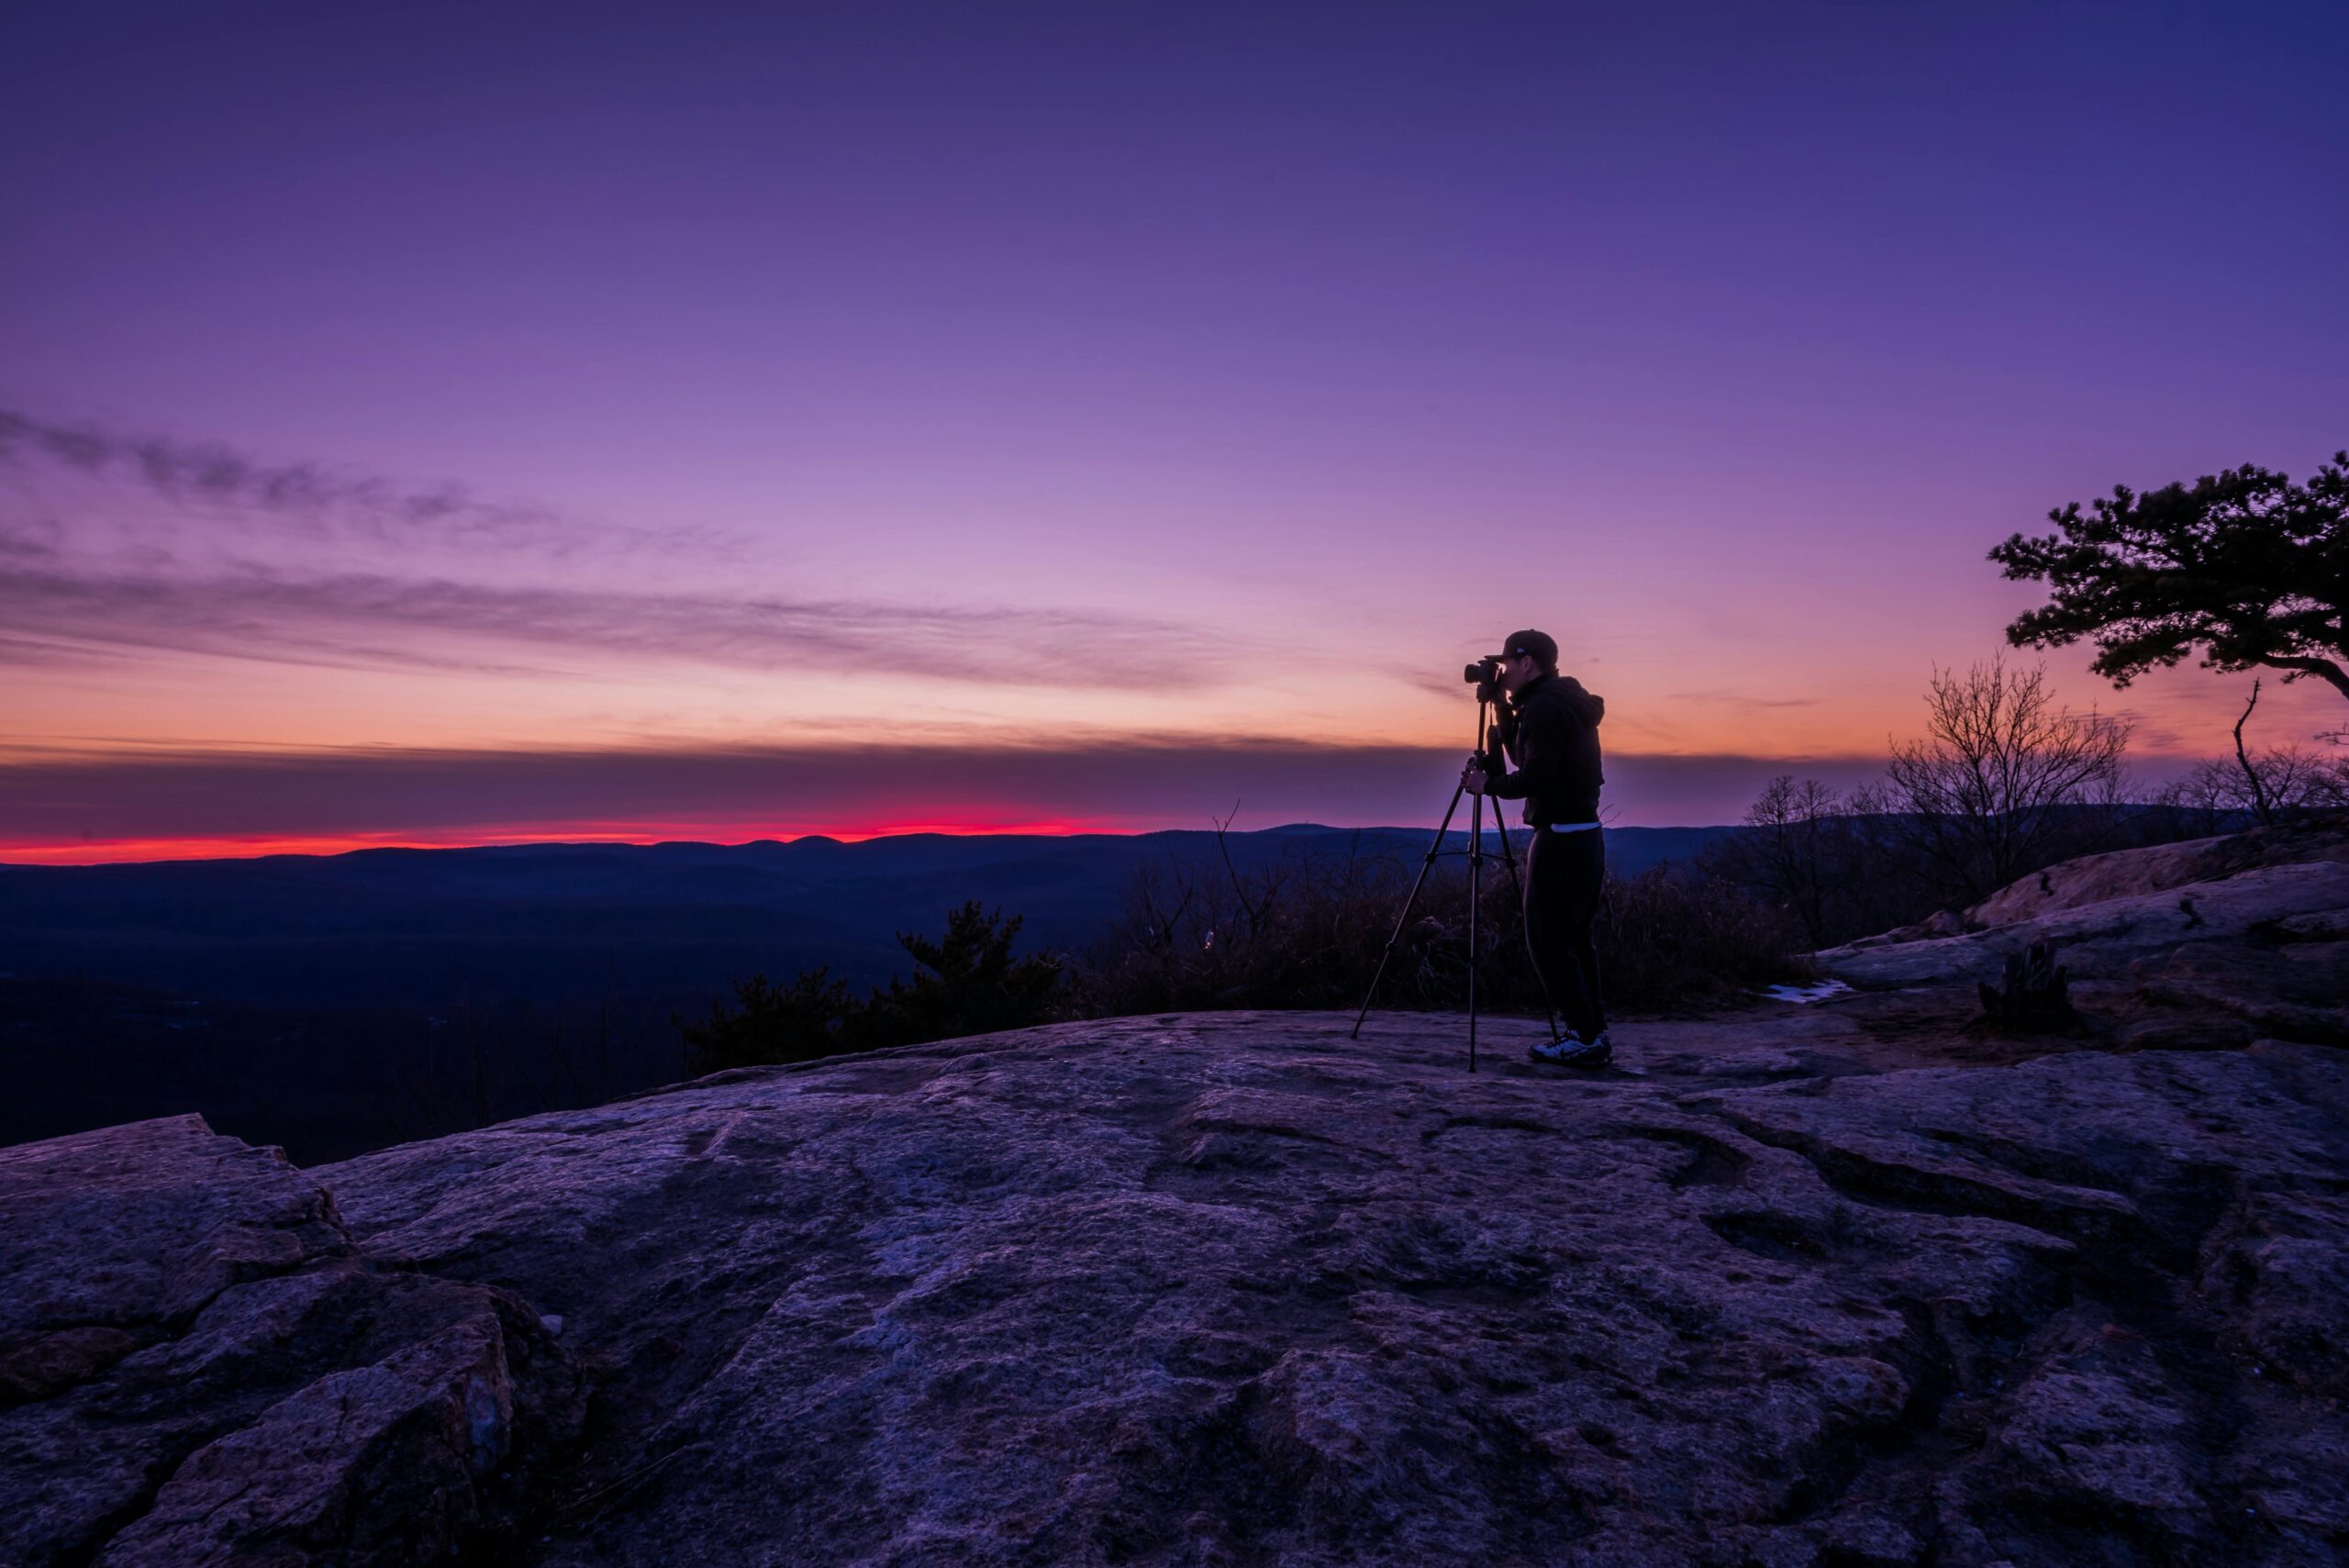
1549,727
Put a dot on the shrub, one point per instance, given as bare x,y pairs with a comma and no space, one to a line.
1670,939
812,1017
1823,859
1308,932
965,983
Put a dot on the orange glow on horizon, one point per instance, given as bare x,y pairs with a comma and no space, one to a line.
129,851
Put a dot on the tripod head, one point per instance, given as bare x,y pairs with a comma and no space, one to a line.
1493,728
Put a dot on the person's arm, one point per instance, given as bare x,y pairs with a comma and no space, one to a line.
1540,753
1505,723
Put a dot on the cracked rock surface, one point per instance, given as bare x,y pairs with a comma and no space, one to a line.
1237,1289
198,1367
2253,925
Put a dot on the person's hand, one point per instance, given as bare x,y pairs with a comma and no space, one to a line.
1473,777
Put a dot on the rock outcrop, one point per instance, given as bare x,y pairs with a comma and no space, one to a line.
197,1366
2216,941
1230,1289
2129,874
1801,1286
1237,1289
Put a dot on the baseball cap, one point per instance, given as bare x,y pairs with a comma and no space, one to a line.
1541,645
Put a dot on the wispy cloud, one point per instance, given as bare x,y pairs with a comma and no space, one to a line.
372,619
25,539
214,480
1432,681
423,578
1739,699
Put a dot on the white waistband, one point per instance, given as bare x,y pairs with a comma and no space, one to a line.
1568,827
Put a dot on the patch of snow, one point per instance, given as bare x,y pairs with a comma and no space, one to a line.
1818,992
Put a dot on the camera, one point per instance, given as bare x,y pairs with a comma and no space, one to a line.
1484,674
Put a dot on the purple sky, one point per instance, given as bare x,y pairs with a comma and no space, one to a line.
446,422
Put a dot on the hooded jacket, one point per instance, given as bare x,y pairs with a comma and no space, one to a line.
1550,732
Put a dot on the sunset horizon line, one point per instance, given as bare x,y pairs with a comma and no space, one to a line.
192,804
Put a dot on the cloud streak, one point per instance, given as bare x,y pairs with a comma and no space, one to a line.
1739,699
382,620
368,603
316,500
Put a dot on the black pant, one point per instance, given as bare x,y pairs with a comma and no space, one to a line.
1563,876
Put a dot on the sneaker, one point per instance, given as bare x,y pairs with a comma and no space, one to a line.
1554,1049
1573,1050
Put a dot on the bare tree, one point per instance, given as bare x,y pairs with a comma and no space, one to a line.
2004,781
1826,859
1258,896
2264,785
2251,781
1792,856
2221,795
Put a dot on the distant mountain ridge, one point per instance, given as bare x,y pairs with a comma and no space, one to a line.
378,926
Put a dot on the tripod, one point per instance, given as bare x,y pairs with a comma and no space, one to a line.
1476,853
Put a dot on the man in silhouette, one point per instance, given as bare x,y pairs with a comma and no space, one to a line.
1549,727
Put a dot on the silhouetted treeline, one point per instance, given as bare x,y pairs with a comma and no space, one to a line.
2004,782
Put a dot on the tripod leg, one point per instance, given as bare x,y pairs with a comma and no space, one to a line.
1426,865
1475,897
1549,1004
